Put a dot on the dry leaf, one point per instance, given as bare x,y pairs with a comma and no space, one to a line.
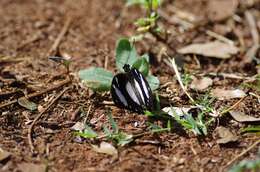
106,148
30,167
227,94
79,126
4,154
24,102
241,117
225,135
180,111
201,84
215,49
221,9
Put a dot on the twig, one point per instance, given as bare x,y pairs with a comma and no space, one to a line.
32,39
60,36
87,115
175,20
242,153
250,54
219,37
108,103
30,129
106,62
66,81
230,76
253,27
174,66
233,106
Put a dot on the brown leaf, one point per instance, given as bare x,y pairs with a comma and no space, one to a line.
29,167
241,117
227,94
215,49
225,135
201,84
221,9
4,154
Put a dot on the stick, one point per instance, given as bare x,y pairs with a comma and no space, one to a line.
233,106
32,39
219,37
250,54
30,129
60,36
54,87
179,78
242,153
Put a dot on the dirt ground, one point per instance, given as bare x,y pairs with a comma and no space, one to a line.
28,30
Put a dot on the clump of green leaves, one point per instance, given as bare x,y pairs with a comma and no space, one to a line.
149,22
100,79
196,125
117,136
120,138
247,165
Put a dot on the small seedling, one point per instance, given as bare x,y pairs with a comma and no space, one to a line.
63,61
149,22
88,133
196,125
186,79
118,137
247,165
156,129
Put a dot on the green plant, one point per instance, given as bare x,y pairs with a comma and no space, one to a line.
149,22
65,61
247,165
251,129
196,125
118,137
99,79
186,79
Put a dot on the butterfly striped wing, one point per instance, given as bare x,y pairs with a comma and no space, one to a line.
131,91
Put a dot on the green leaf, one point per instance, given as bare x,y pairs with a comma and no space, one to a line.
146,56
107,132
24,102
252,129
135,2
153,82
98,79
123,138
113,123
156,4
142,65
87,133
125,53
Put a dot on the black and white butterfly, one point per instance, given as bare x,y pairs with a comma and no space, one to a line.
131,91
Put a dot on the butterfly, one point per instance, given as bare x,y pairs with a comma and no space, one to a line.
130,90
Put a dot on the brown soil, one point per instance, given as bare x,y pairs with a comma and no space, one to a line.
28,30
